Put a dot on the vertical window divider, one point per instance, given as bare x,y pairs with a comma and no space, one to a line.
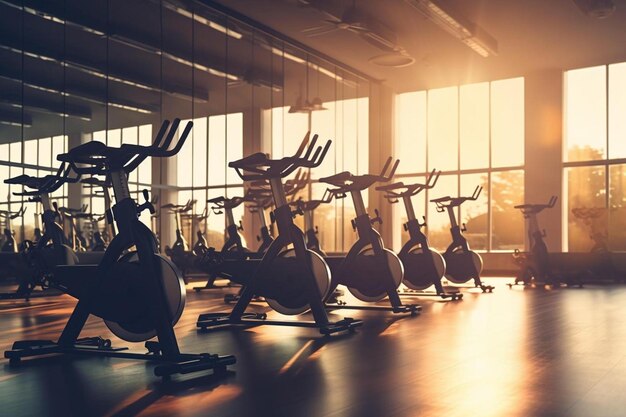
427,162
607,169
489,173
458,149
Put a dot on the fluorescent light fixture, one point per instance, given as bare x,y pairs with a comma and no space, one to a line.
467,32
281,53
203,20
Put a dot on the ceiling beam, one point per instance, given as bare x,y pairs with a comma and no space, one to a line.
50,14
13,118
81,95
55,109
196,93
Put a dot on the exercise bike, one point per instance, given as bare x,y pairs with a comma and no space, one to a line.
138,293
310,229
462,263
40,257
70,215
9,244
233,247
261,201
100,240
600,262
423,266
201,246
370,271
292,278
179,252
534,266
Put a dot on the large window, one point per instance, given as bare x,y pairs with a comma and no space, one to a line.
594,156
139,179
345,122
96,70
474,134
36,157
203,173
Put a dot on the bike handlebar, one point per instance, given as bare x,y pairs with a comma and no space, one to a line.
46,184
102,159
448,201
260,166
346,182
536,208
408,189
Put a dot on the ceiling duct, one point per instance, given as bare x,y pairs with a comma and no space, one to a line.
599,9
367,28
458,26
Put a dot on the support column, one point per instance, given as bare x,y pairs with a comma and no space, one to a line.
75,195
252,140
163,174
543,149
381,133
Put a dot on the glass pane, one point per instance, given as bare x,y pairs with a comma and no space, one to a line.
217,150
363,126
617,215
439,223
350,127
30,152
326,219
443,129
199,147
585,114
400,236
617,110
45,153
114,138
184,161
411,131
585,191
507,122
145,169
234,145
323,124
507,223
474,121
215,224
183,198
474,213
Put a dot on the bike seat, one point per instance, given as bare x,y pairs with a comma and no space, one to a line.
216,200
337,179
254,160
391,187
93,181
46,184
29,181
441,199
227,203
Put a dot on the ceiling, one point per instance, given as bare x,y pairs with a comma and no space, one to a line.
532,35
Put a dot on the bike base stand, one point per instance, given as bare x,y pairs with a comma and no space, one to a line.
167,365
483,287
30,295
412,309
212,287
453,296
210,321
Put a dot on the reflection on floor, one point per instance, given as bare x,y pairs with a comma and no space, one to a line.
510,353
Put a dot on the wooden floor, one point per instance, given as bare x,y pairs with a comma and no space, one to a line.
510,353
